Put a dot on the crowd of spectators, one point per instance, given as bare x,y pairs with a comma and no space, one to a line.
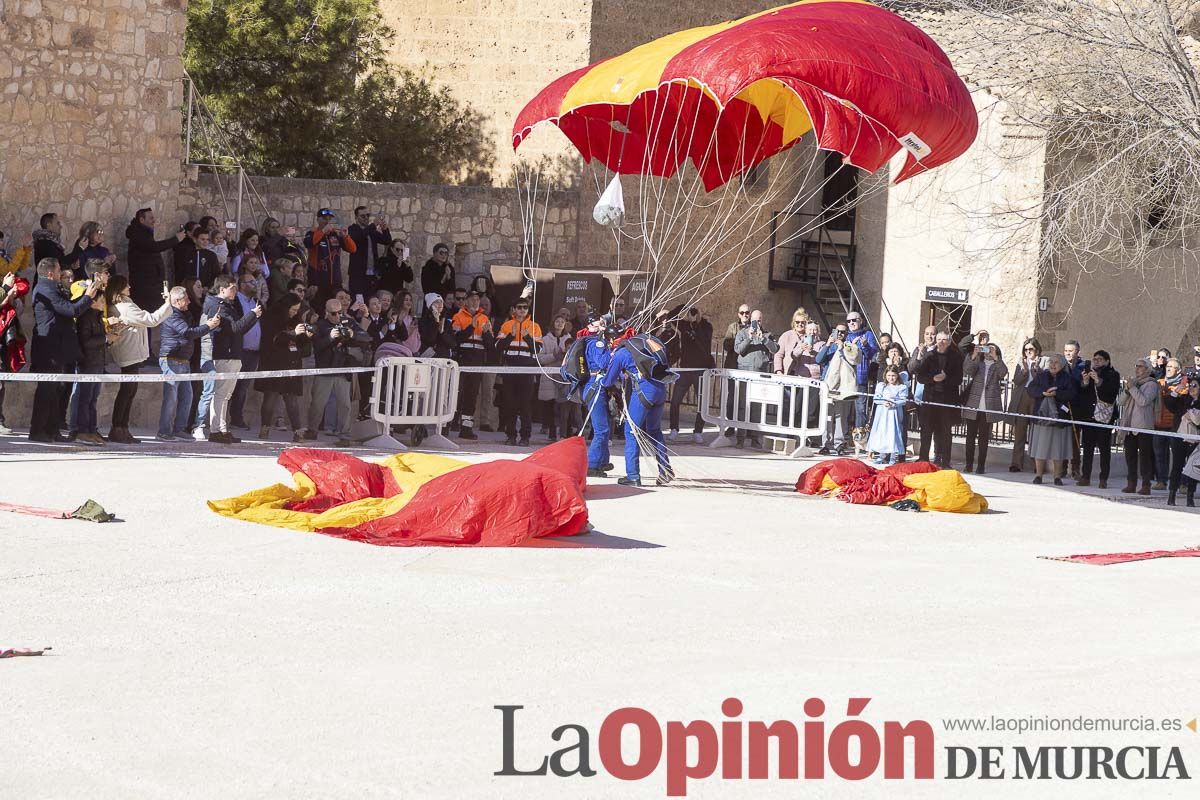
192,303
1057,405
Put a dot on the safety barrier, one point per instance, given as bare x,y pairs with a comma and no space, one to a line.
416,392
784,405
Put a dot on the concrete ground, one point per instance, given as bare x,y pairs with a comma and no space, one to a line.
196,656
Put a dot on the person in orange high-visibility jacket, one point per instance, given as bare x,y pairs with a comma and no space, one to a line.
473,330
517,347
325,243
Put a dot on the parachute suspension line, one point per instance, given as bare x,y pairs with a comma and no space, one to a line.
803,194
819,188
648,447
718,234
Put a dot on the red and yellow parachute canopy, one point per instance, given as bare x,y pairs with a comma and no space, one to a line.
729,96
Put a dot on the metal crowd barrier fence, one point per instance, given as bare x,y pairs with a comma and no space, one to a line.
782,405
414,391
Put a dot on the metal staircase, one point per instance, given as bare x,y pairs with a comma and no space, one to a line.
819,264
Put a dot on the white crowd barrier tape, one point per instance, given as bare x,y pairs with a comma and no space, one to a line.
152,377
1083,423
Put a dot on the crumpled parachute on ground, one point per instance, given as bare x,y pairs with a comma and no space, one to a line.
424,499
852,481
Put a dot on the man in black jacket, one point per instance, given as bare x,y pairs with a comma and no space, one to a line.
368,237
93,339
335,335
146,271
54,345
47,243
940,372
174,356
194,260
694,336
1099,383
226,351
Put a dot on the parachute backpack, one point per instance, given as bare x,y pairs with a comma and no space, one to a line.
646,349
574,367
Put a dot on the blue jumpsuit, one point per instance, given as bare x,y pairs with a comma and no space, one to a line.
645,411
597,356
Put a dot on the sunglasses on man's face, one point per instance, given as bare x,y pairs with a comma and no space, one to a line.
743,313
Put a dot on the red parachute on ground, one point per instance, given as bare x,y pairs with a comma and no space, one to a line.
852,481
424,499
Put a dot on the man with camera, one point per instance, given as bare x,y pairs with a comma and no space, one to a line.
858,335
940,372
756,348
839,360
54,344
333,340
1080,407
325,243
227,351
368,237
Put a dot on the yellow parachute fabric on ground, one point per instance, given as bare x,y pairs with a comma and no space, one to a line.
945,490
266,506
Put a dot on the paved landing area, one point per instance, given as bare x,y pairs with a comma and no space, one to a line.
197,656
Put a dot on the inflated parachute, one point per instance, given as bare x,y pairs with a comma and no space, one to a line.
683,121
728,96
423,499
852,481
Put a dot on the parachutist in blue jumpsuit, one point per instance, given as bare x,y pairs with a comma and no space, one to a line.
595,403
645,402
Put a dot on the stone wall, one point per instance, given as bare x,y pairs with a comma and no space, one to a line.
482,224
495,55
90,97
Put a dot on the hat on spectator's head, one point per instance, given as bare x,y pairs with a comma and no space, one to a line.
325,212
433,297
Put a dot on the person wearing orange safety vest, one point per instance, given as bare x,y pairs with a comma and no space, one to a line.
517,347
325,243
473,330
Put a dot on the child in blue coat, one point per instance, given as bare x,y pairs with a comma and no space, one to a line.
887,428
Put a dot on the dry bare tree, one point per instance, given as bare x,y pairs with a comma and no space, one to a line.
1110,91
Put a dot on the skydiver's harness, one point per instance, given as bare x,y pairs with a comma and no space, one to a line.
645,349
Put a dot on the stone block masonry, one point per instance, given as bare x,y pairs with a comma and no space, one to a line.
90,97
482,224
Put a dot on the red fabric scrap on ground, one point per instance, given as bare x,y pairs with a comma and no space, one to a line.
33,511
1105,559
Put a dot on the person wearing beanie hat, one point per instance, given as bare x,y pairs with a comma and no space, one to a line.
437,337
